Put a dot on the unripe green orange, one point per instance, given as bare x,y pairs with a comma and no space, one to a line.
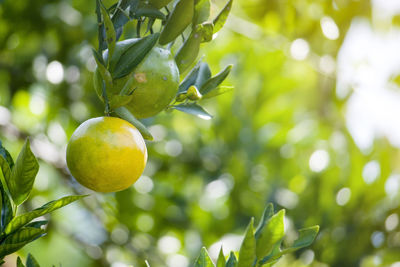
156,83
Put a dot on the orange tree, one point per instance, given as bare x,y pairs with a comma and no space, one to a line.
137,78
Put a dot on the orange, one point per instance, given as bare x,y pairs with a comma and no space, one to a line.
156,83
106,154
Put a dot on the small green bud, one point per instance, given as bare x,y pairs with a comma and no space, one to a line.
193,93
181,97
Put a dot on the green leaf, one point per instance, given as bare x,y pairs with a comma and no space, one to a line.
7,249
20,220
117,101
190,79
150,12
267,214
213,83
6,209
121,14
220,19
31,261
270,264
203,75
274,256
25,234
272,233
99,59
98,84
125,114
204,259
128,88
37,224
180,17
247,252
150,24
159,3
112,8
232,261
4,152
218,91
19,239
110,31
5,168
120,48
104,73
19,262
188,52
132,55
201,12
23,175
125,96
221,259
306,238
193,109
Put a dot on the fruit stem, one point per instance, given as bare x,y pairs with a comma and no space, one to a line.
107,110
138,26
100,26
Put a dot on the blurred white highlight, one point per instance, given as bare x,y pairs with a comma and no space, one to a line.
343,196
229,242
177,260
371,171
329,28
55,72
366,64
169,244
391,222
319,160
299,49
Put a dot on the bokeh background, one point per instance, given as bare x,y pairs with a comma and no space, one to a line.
312,126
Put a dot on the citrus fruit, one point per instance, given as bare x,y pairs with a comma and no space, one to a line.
106,154
156,83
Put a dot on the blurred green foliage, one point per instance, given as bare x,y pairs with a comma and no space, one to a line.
279,137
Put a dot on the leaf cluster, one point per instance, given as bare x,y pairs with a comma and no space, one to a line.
261,246
189,19
197,85
17,230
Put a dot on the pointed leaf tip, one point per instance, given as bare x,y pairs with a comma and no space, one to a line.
267,214
19,262
215,81
180,17
306,237
247,252
31,261
194,109
232,261
221,258
204,259
125,114
23,174
272,233
220,20
23,219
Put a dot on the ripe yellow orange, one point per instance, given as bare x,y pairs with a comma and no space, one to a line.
106,154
